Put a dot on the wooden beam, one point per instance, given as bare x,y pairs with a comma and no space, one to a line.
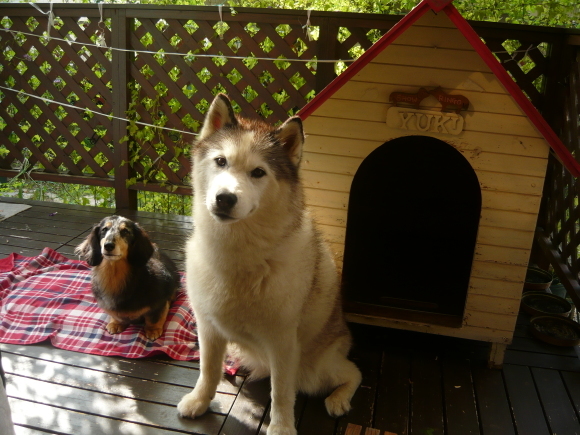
60,178
124,197
327,49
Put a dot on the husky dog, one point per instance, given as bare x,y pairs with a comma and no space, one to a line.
258,274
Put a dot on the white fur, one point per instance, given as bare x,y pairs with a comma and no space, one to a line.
263,282
235,180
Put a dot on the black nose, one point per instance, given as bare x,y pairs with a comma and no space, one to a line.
109,247
226,201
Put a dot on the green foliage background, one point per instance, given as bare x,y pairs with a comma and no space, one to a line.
553,13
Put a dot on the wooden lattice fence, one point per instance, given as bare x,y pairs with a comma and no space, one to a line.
58,142
54,141
559,235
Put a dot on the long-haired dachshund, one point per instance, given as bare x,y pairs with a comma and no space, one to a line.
131,279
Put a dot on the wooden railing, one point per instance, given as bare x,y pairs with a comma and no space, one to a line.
84,132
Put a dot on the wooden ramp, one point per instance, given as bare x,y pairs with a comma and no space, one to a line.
413,383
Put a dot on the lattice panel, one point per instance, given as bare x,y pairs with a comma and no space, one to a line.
562,208
52,137
526,62
571,130
175,91
563,217
354,41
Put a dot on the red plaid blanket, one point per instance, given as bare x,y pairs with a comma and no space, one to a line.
49,297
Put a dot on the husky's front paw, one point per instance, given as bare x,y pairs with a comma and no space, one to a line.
281,430
192,406
336,405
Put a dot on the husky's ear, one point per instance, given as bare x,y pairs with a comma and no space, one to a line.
219,114
291,136
90,249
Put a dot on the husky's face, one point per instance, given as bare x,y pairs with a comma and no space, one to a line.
237,177
239,164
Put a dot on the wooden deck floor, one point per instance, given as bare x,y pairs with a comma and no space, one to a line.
413,383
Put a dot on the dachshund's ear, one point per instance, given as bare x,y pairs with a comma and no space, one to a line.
141,249
90,249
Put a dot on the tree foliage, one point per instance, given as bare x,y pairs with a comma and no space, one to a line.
553,13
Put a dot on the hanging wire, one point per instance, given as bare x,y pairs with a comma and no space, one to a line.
71,106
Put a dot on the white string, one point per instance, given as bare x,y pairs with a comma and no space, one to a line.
100,5
221,23
187,54
306,27
101,32
50,17
513,53
47,100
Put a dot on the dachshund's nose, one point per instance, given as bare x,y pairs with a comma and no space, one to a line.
109,246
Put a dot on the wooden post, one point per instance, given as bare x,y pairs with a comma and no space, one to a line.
327,49
496,355
125,198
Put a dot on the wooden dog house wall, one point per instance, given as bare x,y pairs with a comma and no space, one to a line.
504,142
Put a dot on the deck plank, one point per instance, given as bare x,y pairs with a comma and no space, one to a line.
64,421
249,409
572,381
427,396
143,369
105,382
410,378
21,430
494,410
530,344
367,355
392,405
526,407
559,411
110,406
315,420
460,406
542,360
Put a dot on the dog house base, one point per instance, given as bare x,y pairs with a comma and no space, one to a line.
498,343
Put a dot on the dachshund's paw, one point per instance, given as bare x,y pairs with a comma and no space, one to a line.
153,333
115,327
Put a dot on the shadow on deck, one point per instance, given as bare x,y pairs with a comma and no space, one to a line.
413,383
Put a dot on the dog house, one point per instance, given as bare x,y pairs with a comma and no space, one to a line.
424,165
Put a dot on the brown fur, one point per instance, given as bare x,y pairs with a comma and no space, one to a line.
111,276
132,280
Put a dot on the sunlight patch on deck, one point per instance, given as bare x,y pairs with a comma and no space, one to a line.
7,210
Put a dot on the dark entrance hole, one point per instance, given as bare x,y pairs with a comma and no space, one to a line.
413,216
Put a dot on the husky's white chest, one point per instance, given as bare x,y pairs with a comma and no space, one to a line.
238,299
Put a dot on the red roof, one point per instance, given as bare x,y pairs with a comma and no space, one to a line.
445,5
